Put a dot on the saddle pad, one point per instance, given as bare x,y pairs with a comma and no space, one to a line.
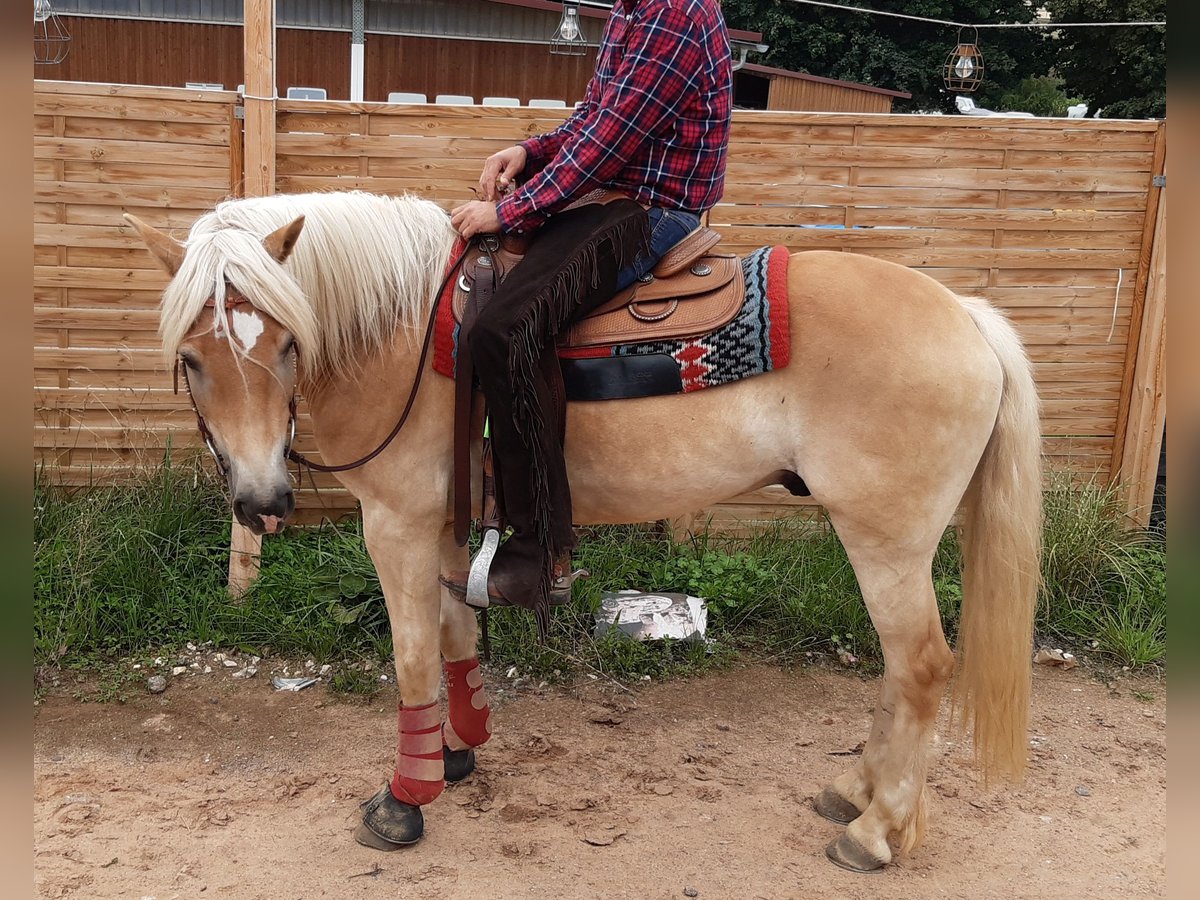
755,341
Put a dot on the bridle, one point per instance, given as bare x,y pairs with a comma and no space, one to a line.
233,299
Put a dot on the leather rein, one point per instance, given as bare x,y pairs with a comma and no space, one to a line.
235,298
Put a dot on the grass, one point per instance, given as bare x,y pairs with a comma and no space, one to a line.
119,572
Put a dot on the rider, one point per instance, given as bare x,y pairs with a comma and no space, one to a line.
654,126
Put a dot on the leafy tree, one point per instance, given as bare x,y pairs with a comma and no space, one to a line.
898,53
1119,71
1042,96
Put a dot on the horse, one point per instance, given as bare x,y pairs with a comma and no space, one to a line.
903,406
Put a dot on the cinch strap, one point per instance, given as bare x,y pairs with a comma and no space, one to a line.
469,723
420,775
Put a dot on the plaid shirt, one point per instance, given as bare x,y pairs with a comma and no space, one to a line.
654,123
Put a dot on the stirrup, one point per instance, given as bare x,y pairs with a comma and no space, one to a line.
481,567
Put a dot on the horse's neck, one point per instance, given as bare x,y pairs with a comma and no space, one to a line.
352,414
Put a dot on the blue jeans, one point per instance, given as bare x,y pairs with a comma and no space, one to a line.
667,228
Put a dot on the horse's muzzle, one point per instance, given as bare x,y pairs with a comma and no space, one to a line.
265,515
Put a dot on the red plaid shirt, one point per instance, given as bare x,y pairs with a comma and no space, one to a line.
654,122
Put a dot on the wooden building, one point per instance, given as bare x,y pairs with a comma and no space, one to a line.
472,48
763,87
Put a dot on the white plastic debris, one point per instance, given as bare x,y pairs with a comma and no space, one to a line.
1060,658
248,672
652,617
292,684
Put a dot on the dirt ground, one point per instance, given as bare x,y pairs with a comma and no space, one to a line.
220,788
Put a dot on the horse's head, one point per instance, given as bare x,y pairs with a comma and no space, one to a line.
239,361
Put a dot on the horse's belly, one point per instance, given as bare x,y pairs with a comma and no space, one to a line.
641,460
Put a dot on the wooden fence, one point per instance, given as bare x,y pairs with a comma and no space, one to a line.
1055,221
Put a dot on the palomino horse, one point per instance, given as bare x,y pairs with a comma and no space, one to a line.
902,402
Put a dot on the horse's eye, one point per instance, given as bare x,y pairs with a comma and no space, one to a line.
192,364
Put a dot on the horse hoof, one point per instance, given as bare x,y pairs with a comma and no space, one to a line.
459,763
388,824
831,805
850,854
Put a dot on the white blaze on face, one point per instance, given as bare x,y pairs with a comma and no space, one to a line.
247,327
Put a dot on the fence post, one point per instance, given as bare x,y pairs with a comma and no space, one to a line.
1148,393
258,153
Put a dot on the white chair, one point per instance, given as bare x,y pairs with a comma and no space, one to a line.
548,104
1078,111
454,100
306,93
501,101
406,97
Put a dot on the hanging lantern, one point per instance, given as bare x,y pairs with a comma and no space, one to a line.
568,39
51,40
963,71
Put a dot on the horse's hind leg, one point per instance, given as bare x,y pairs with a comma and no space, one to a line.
888,784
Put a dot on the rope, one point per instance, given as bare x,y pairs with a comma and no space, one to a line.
896,15
1116,300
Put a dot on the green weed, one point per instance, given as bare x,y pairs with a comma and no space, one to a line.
117,571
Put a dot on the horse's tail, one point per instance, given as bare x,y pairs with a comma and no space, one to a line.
1001,538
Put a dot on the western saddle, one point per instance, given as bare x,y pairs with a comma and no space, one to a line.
691,291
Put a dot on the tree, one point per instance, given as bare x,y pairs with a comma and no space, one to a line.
897,53
1121,72
1042,96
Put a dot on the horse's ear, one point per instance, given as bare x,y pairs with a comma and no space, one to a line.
282,241
168,251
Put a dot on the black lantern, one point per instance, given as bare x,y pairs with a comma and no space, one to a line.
568,39
51,40
963,71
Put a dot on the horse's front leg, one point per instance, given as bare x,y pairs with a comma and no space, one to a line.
468,722
404,548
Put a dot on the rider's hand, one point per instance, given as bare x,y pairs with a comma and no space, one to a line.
476,217
499,170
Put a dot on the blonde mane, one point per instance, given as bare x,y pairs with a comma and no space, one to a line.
365,266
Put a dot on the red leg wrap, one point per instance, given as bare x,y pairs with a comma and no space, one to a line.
469,720
419,774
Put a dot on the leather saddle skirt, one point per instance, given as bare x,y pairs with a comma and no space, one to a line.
692,291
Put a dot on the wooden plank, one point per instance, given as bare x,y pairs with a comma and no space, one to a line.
166,218
1143,416
209,134
1061,297
49,91
99,297
195,110
1036,220
116,359
751,153
143,279
122,151
1072,260
865,238
1005,179
1129,161
1146,257
67,317
1055,199
146,173
128,196
916,133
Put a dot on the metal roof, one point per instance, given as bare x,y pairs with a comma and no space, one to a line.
479,19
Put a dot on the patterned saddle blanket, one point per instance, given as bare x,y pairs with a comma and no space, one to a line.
753,341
